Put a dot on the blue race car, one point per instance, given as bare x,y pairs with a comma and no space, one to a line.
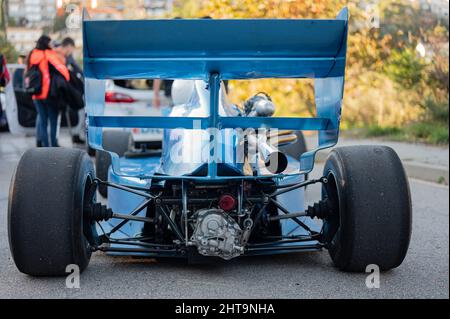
229,181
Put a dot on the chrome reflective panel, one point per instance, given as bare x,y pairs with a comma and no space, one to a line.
185,150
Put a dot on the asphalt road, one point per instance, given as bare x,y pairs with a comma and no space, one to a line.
424,273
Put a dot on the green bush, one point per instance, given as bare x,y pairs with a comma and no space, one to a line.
405,67
437,111
440,136
425,132
376,131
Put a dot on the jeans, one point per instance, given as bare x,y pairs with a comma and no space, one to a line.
47,113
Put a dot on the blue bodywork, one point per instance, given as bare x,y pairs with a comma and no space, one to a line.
212,51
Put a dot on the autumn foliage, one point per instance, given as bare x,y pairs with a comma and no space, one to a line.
388,83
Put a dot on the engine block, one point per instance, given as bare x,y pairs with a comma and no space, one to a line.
217,234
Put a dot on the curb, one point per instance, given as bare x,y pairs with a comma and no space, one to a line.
426,172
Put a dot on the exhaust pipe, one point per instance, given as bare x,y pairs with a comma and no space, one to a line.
275,161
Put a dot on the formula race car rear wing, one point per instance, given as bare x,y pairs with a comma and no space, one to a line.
216,50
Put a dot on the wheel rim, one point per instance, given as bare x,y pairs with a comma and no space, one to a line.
88,225
332,222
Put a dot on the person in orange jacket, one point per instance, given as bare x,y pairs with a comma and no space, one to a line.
45,58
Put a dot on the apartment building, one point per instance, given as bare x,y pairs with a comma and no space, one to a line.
32,13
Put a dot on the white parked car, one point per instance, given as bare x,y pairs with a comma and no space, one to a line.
131,97
128,98
135,98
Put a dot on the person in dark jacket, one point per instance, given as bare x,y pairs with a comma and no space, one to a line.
46,59
65,49
75,90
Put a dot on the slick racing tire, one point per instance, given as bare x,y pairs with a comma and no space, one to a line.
114,141
371,218
47,228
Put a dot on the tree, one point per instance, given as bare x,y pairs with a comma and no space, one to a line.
8,50
405,67
386,82
59,23
3,18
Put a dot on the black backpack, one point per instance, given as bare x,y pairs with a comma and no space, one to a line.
58,88
33,80
66,93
